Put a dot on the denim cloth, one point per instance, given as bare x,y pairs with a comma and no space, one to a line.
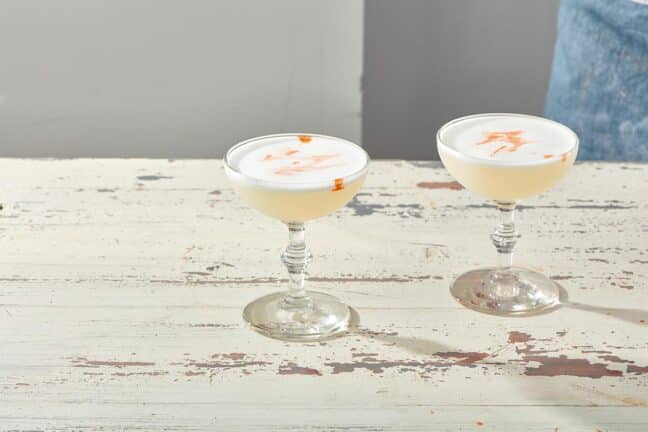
599,82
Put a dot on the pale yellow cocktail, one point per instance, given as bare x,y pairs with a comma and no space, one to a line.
505,158
295,178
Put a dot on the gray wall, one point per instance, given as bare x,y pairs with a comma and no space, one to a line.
428,61
174,78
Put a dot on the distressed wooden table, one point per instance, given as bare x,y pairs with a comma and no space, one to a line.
122,285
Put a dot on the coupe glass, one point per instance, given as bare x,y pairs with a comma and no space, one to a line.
506,289
296,314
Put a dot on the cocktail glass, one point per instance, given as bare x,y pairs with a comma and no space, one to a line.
297,314
506,289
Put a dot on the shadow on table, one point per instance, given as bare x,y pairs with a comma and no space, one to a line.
428,347
409,344
630,315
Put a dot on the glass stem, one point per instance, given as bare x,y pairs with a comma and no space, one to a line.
296,257
504,237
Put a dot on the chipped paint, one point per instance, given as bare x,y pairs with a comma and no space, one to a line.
127,374
637,370
518,337
451,185
378,366
262,281
225,364
363,354
215,325
537,363
291,368
563,366
523,207
403,211
84,362
601,260
153,177
614,359
565,277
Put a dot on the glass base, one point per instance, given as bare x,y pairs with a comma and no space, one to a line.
516,291
275,316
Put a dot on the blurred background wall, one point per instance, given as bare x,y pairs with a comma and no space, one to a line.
173,78
427,62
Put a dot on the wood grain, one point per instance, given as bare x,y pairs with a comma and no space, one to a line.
122,284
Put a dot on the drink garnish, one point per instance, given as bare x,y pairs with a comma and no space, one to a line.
514,138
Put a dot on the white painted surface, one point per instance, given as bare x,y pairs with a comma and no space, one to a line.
167,78
122,284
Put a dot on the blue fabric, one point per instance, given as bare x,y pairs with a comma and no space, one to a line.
599,82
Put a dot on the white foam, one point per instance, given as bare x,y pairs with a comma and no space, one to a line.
511,138
287,160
